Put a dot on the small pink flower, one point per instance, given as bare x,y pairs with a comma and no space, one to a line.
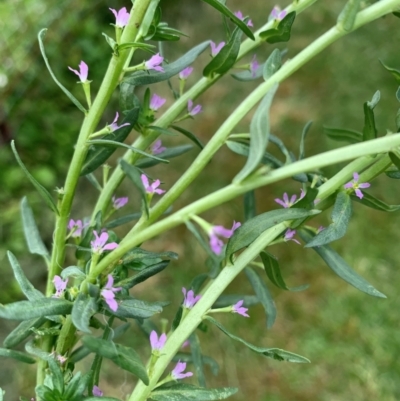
108,293
241,17
154,63
238,308
99,245
151,189
184,74
285,201
278,14
83,71
114,126
97,392
193,110
157,147
77,227
157,343
254,65
60,286
215,49
189,299
156,102
62,359
216,243
356,185
177,373
121,17
289,236
119,202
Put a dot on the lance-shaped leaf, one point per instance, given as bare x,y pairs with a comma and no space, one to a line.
123,220
249,201
342,134
259,135
31,347
306,129
347,16
24,310
189,135
282,32
26,286
32,236
197,359
71,97
227,56
56,375
136,45
139,253
97,155
340,267
164,32
307,201
22,332
273,271
253,228
274,353
263,295
374,203
187,392
393,174
395,158
221,7
167,154
341,214
272,64
76,386
84,308
19,356
393,71
39,187
369,130
124,357
137,309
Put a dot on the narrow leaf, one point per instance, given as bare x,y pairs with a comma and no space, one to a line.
143,275
347,16
369,130
342,134
19,356
93,180
84,308
189,135
393,71
374,203
22,332
167,154
395,158
123,220
282,32
137,309
303,139
250,210
272,64
195,349
72,271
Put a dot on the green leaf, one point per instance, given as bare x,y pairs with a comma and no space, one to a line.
282,32
71,97
247,75
19,356
272,65
226,58
97,155
307,201
218,5
32,236
167,154
374,203
150,15
122,220
341,214
253,228
393,174
187,392
249,200
24,310
369,130
164,32
197,358
84,308
30,347
395,158
393,71
72,271
273,271
136,45
303,139
75,387
259,135
342,134
139,253
189,135
26,286
57,376
263,295
126,358
347,16
42,190
93,180
22,332
137,309
340,267
274,353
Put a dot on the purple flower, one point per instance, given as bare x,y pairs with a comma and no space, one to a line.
108,293
60,286
97,392
151,189
99,245
216,243
254,66
289,236
83,71
285,201
215,49
241,17
184,74
156,102
114,126
77,227
320,228
193,110
177,373
356,185
189,298
277,14
238,308
121,17
157,342
157,147
154,63
119,202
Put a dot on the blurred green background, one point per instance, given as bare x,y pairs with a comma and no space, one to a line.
352,339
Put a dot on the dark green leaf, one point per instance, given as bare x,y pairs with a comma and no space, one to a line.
42,190
189,135
393,71
284,150
84,308
347,16
123,220
24,310
19,356
57,377
124,357
218,5
395,159
345,135
251,229
393,174
263,295
161,130
71,97
165,33
259,135
250,210
307,201
26,287
76,386
374,203
197,359
227,56
167,154
274,353
187,392
341,214
97,155
143,275
272,64
340,267
22,332
282,32
137,309
303,138
136,45
369,130
139,253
